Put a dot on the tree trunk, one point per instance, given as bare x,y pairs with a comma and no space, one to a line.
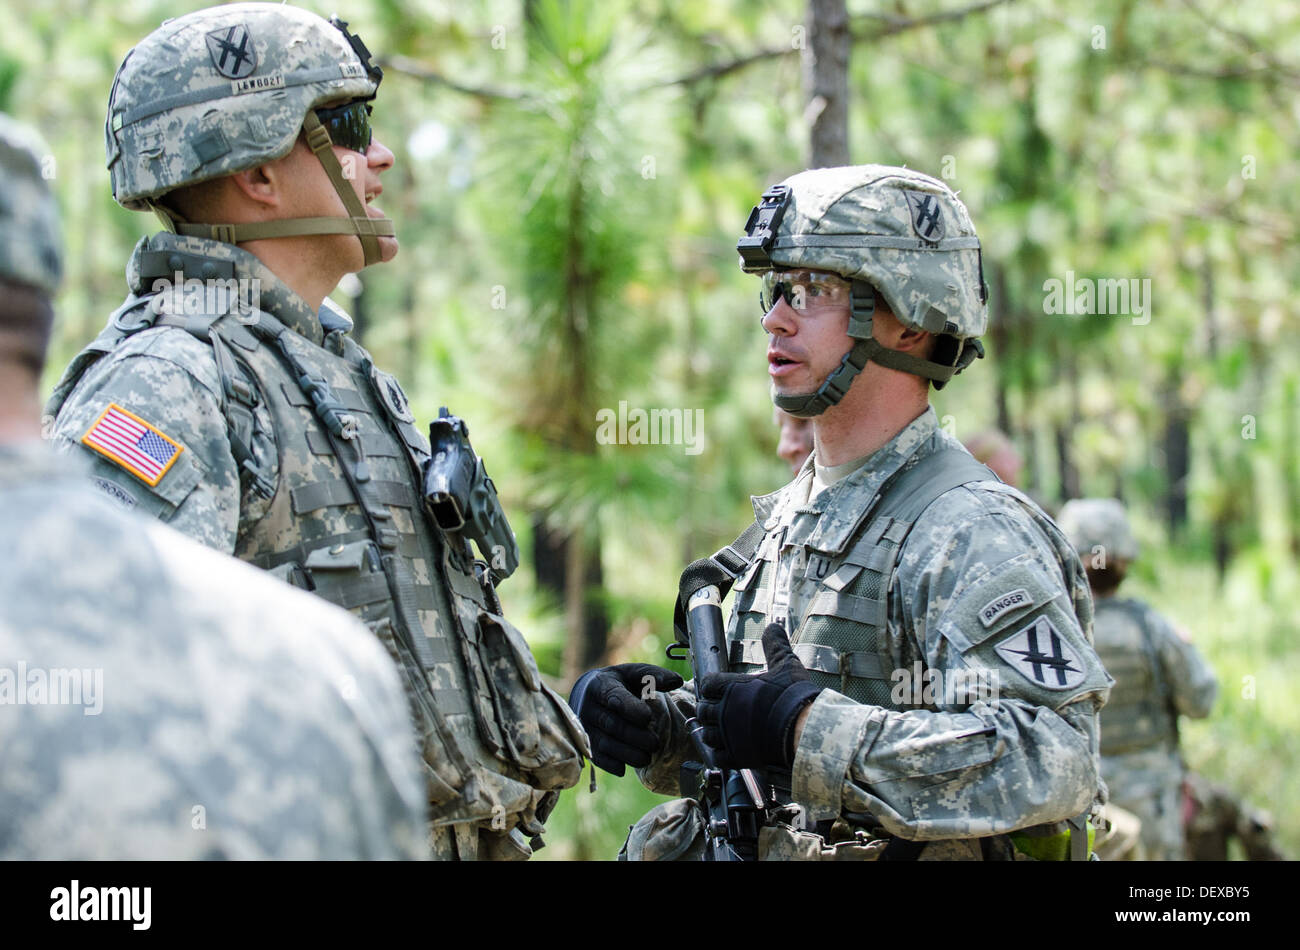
826,79
1177,442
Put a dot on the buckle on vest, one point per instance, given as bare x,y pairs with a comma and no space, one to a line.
730,561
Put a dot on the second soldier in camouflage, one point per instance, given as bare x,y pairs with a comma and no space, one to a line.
227,397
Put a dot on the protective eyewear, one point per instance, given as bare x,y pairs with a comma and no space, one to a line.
348,125
804,290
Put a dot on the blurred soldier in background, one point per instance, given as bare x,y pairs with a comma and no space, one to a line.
796,440
994,449
159,700
1213,816
268,432
1158,675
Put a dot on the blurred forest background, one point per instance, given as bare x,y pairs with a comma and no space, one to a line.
571,180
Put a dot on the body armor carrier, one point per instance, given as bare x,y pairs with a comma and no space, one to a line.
841,638
1139,714
345,522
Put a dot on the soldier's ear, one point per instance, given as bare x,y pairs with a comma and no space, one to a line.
920,342
263,185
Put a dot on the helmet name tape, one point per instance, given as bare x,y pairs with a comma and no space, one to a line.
257,84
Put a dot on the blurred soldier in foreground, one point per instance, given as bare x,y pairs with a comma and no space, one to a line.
1158,675
268,432
939,700
146,711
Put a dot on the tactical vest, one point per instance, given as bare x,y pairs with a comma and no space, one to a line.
840,638
346,522
1139,714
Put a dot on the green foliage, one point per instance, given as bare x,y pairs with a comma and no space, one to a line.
548,270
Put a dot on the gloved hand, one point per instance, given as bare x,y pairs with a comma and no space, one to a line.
608,703
749,720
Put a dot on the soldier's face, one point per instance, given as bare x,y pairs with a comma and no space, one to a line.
796,440
806,343
313,195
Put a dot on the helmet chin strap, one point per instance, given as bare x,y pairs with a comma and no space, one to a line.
865,348
368,230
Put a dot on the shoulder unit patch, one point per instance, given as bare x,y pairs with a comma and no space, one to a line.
132,443
1042,655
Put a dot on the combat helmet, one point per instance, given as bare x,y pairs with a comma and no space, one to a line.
29,237
886,230
1092,523
229,88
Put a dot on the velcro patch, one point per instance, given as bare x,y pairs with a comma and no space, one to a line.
1040,654
134,444
1003,605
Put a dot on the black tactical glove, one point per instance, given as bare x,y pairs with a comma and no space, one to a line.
608,703
749,720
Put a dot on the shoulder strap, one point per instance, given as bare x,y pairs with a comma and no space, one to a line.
918,487
720,570
238,394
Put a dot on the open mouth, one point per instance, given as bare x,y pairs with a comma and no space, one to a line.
779,365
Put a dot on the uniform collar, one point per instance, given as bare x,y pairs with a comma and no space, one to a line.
827,522
274,296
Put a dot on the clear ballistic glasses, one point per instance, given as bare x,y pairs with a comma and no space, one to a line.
804,290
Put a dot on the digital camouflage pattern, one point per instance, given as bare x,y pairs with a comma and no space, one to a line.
1098,527
29,241
949,770
220,90
930,275
1159,675
283,443
497,743
206,710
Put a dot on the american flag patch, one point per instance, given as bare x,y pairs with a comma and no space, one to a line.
132,443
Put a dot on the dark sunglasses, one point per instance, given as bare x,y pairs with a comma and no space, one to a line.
348,125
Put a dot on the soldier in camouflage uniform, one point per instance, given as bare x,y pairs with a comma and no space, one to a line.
937,696
144,713
268,431
1158,673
